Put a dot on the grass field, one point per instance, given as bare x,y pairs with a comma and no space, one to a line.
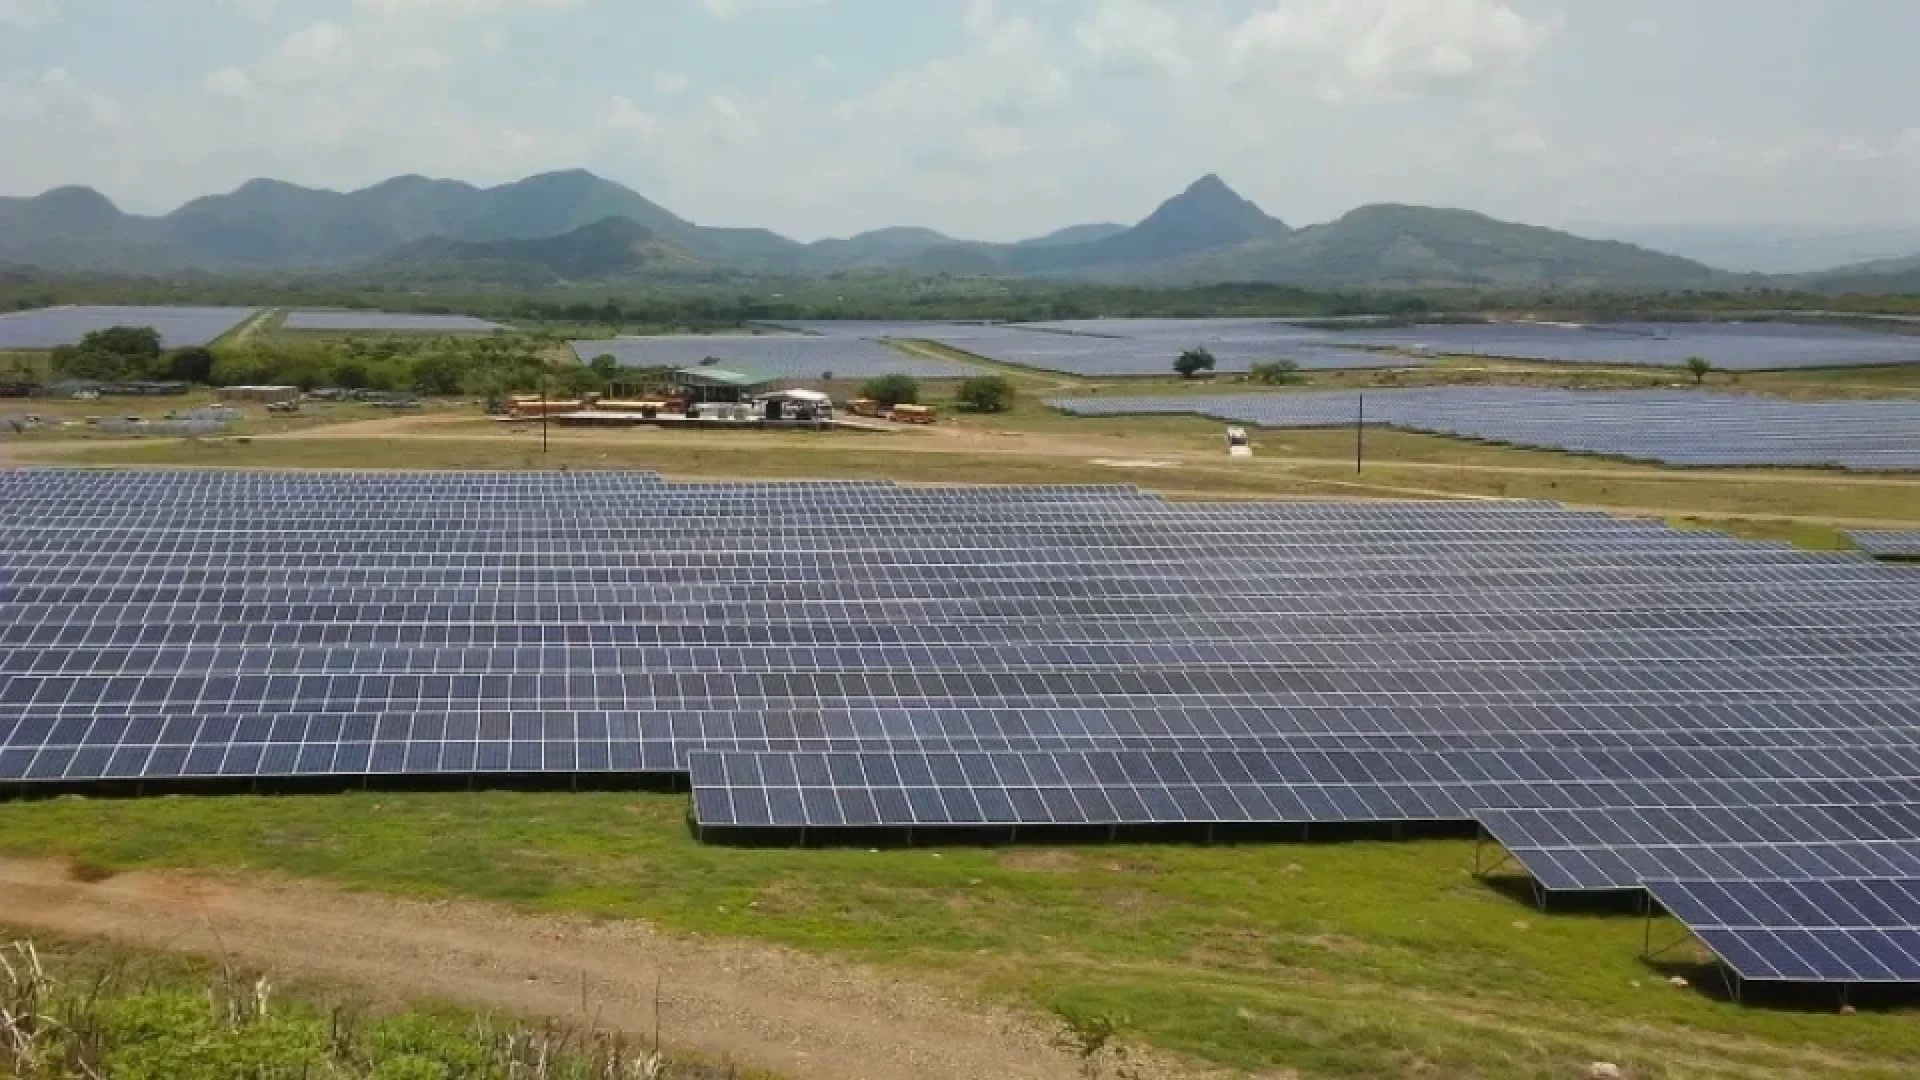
120,1012
1357,959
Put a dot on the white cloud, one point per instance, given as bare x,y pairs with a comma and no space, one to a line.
727,9
316,49
670,82
1132,33
460,8
257,10
621,114
230,82
27,12
1372,49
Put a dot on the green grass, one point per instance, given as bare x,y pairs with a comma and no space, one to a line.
136,1014
1337,960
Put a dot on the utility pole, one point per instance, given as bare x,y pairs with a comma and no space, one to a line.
1360,435
545,412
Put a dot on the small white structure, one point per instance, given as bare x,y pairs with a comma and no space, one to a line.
1237,444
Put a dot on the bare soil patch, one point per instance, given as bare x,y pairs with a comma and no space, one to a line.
797,1015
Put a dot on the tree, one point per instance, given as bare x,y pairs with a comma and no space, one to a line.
1274,372
891,390
605,368
193,365
1698,367
118,352
351,376
986,393
1193,362
437,373
134,342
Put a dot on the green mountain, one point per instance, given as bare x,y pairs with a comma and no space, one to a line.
1207,216
1414,246
611,248
1074,234
876,248
575,226
1880,277
268,224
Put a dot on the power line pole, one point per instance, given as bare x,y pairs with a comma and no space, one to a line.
545,412
1360,435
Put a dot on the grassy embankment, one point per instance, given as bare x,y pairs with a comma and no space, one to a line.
1347,959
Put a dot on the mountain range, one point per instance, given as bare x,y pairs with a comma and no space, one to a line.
574,226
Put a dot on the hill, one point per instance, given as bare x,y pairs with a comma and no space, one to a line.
1768,249
271,225
614,247
1206,216
555,227
877,248
1416,246
1074,234
1880,277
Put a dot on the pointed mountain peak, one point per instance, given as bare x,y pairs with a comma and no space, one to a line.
1210,208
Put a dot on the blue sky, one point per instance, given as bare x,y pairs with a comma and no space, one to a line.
989,118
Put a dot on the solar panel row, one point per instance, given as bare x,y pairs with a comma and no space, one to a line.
381,321
849,655
1888,543
179,327
1675,427
777,355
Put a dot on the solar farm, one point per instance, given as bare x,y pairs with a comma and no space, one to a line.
1132,347
383,322
1727,346
1148,346
1731,726
1888,543
791,356
179,327
1675,427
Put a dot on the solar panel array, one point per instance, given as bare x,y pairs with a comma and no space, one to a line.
380,321
1804,931
833,656
787,356
1120,347
1888,543
179,327
1761,346
1676,427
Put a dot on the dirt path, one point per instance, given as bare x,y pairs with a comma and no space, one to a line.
756,1005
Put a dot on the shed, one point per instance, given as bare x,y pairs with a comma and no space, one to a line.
704,384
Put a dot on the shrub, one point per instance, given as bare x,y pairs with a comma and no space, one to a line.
986,393
1274,372
891,390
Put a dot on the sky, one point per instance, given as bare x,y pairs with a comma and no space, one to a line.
989,119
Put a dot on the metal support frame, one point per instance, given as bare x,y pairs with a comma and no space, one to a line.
1482,870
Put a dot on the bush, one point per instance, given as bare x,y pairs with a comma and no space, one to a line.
1193,362
1274,372
986,393
891,390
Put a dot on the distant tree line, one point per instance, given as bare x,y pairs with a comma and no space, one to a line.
131,354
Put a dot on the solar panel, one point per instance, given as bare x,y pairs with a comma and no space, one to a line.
1834,931
380,321
776,355
1677,427
1889,543
1619,848
179,327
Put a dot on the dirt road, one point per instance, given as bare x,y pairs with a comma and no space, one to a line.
796,1015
